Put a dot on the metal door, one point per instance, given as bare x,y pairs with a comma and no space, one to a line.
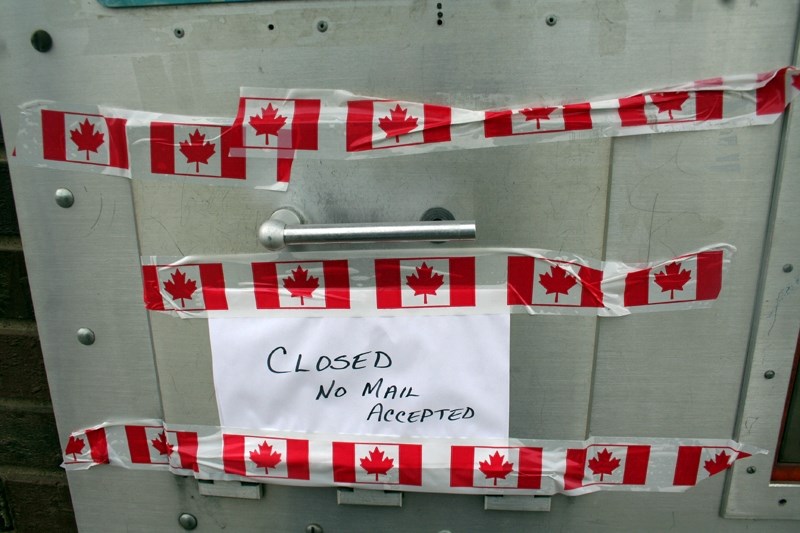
629,199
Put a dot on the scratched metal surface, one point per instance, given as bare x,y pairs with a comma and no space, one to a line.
663,374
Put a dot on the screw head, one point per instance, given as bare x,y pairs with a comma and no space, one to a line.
751,470
64,198
769,374
788,267
86,336
313,528
551,20
187,521
179,33
41,41
322,26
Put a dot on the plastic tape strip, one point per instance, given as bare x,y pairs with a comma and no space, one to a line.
454,281
273,127
492,466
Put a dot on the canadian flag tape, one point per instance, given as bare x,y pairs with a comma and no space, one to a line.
273,127
494,466
454,281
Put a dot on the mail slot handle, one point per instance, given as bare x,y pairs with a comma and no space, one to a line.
285,228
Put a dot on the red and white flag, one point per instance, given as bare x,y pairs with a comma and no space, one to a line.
279,123
182,446
88,139
265,457
517,467
533,120
771,99
537,281
302,285
425,282
184,288
201,150
688,278
670,107
606,464
696,463
380,124
375,462
148,445
86,448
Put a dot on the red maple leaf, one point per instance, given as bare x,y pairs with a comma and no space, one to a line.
376,463
603,464
74,446
86,139
179,288
557,281
720,462
796,81
160,443
398,124
425,282
496,467
537,114
264,457
197,150
300,284
669,102
672,279
269,122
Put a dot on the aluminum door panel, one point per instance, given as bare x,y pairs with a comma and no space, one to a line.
634,376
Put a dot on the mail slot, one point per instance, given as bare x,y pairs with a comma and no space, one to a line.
341,266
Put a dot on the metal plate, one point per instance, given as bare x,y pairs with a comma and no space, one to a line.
660,374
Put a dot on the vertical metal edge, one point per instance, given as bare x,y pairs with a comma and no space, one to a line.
752,495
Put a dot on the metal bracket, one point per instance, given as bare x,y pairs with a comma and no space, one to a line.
231,489
381,498
516,503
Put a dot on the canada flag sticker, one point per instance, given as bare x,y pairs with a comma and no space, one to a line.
265,457
382,124
492,467
279,124
84,138
387,464
302,285
196,150
425,282
184,288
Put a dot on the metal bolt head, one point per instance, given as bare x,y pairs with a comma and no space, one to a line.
788,267
751,470
313,528
322,26
551,20
41,41
64,198
769,374
86,336
187,521
179,33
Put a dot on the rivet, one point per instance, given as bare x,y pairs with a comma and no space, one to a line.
788,267
64,198
782,501
179,33
41,41
322,26
769,374
187,521
751,470
85,336
551,20
313,528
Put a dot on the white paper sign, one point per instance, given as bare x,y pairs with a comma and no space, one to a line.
426,376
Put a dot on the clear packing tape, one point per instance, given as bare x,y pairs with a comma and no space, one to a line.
454,281
274,127
466,466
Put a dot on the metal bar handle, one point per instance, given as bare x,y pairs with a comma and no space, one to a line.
285,228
